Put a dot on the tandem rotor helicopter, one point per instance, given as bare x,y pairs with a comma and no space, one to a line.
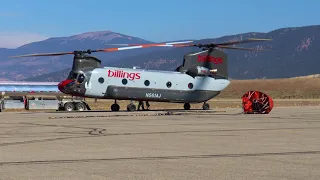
201,77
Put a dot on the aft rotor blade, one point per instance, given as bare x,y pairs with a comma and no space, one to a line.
43,54
176,45
212,45
249,40
240,48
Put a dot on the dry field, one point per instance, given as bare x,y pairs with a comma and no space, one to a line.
293,88
303,91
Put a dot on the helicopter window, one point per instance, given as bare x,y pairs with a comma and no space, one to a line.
147,82
81,78
190,85
124,81
72,76
101,80
169,84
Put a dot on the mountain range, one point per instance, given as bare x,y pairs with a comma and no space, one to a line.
295,52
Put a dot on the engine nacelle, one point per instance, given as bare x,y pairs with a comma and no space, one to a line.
198,70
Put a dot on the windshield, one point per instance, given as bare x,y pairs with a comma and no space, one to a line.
79,77
73,75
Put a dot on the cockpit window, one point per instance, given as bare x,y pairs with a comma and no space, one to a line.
80,78
73,75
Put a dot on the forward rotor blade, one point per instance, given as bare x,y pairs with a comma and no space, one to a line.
122,48
142,46
151,45
88,51
43,54
131,46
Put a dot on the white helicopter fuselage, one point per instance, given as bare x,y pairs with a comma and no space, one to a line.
162,86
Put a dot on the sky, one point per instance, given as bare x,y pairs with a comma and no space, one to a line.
24,21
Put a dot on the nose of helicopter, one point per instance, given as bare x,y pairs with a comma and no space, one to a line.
64,86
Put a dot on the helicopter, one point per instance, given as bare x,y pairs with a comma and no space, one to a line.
201,77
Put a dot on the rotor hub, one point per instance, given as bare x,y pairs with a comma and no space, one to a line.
89,51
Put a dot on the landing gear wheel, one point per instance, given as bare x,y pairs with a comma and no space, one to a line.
115,107
69,106
186,106
205,106
80,106
131,107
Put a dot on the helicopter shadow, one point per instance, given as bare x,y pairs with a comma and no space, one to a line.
156,112
137,111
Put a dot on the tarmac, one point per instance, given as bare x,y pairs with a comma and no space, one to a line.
221,144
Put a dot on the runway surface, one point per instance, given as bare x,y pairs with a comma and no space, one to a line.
209,145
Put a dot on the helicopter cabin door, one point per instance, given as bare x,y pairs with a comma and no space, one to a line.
97,86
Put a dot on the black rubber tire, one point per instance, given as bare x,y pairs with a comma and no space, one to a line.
115,107
80,106
186,106
131,107
205,106
69,106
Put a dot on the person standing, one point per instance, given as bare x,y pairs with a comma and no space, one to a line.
148,105
140,104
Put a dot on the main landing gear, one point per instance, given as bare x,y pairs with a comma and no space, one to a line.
115,106
130,107
205,106
186,106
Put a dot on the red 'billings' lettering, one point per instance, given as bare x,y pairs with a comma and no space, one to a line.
215,60
123,74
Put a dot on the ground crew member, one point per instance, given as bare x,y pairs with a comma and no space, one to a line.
148,105
140,104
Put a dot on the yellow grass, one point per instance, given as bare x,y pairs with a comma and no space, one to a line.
293,88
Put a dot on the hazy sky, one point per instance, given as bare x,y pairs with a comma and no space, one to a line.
24,21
